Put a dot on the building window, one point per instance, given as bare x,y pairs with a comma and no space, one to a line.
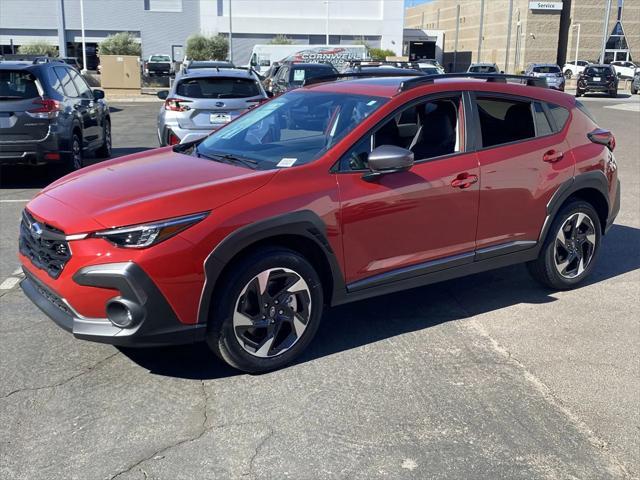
163,5
220,8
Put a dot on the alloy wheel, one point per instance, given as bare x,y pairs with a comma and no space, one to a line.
107,138
272,312
76,151
575,245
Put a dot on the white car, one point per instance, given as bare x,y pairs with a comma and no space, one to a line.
624,69
570,69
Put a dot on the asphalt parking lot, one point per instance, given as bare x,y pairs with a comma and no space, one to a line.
485,377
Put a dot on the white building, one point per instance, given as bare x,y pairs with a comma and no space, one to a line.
307,22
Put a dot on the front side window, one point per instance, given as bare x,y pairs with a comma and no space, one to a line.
504,120
292,129
218,87
429,129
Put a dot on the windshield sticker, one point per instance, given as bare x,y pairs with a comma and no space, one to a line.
287,162
298,75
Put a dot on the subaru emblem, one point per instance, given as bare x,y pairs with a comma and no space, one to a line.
36,229
219,104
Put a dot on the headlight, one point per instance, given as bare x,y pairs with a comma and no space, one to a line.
145,235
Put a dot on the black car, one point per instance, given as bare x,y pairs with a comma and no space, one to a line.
598,78
292,75
50,115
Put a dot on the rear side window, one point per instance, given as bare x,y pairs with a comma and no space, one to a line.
543,127
81,85
16,85
560,115
218,87
504,120
66,81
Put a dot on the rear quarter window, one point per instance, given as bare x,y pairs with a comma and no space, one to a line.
16,84
585,110
559,114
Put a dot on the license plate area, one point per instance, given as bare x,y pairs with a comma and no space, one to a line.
596,79
217,118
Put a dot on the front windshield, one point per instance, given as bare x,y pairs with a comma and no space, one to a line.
293,129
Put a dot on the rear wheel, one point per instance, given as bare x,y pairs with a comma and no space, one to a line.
579,93
568,254
105,149
267,311
613,93
71,160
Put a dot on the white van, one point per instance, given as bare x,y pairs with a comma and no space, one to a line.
263,56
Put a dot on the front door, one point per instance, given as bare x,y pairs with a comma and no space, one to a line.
416,221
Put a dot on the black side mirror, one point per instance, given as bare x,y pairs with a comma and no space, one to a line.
388,159
269,93
163,94
98,94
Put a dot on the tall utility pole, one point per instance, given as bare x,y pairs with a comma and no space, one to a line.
506,55
605,32
327,24
577,43
84,44
480,32
230,35
62,41
455,45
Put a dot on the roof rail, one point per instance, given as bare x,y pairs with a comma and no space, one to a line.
338,76
489,77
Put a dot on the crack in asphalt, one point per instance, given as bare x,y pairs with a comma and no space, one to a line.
267,437
544,390
63,382
201,431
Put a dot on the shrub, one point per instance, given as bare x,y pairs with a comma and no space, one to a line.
380,54
123,43
200,47
38,48
280,40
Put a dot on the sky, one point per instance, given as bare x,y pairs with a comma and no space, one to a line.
411,3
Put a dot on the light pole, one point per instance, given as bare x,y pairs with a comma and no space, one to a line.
327,24
84,44
577,43
230,35
605,32
509,22
480,31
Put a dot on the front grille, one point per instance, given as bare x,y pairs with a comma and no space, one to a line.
44,245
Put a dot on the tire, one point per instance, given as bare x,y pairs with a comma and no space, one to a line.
568,74
72,160
105,149
633,91
579,93
613,94
253,294
566,260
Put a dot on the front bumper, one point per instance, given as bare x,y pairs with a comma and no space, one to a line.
156,324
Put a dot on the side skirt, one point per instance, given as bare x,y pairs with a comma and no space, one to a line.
496,257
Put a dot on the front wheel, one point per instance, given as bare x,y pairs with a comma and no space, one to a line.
267,311
613,93
568,74
568,254
579,93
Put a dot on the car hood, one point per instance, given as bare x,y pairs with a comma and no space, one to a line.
143,187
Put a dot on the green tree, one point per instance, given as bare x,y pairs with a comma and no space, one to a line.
200,47
380,54
38,48
123,43
281,40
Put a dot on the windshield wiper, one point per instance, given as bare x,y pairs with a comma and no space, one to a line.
228,158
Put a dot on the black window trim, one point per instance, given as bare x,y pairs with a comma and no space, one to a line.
466,106
507,96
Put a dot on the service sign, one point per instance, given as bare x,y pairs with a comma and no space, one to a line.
545,5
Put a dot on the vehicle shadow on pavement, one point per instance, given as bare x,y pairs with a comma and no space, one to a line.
361,323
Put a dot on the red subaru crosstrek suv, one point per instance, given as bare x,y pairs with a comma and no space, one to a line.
331,193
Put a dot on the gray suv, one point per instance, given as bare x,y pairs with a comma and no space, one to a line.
550,71
204,100
50,115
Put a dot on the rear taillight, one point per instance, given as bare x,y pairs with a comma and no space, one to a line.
172,138
176,104
603,137
44,108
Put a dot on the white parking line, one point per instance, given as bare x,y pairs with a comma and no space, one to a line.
9,283
20,200
628,107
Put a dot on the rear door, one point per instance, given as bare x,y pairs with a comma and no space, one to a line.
524,157
93,122
19,93
80,106
214,101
